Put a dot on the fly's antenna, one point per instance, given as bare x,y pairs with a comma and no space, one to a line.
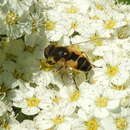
83,42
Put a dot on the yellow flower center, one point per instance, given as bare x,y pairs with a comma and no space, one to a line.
101,102
95,17
96,39
119,87
92,124
74,25
56,99
49,25
58,120
33,102
94,81
11,18
121,123
99,7
72,10
110,24
34,26
5,125
29,48
75,96
112,70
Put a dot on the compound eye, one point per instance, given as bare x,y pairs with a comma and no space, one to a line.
46,52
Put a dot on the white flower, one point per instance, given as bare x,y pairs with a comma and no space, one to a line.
75,97
11,23
98,102
87,121
33,22
117,121
113,68
54,25
58,117
64,100
118,91
32,100
112,21
43,78
20,6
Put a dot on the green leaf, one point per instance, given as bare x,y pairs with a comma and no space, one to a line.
125,1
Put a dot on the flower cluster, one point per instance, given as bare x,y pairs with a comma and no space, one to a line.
37,96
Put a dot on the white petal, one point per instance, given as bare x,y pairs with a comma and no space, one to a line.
30,110
101,112
108,124
64,126
113,104
44,124
70,108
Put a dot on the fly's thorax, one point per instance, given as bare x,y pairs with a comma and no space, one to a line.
59,53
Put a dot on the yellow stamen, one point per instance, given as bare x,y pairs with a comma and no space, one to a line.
75,96
110,24
11,18
94,81
34,26
112,70
74,25
49,25
119,87
99,7
121,123
72,10
33,102
56,99
5,125
29,48
58,120
95,17
101,102
92,124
